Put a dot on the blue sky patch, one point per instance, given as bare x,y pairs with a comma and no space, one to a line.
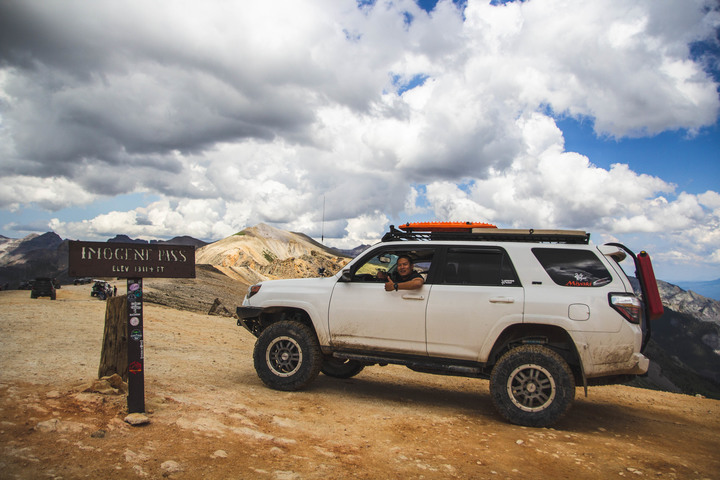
416,80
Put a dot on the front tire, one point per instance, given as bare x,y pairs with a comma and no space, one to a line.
287,356
341,368
532,385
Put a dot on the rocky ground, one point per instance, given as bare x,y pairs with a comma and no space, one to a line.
211,417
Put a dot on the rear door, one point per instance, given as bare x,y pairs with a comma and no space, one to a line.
478,292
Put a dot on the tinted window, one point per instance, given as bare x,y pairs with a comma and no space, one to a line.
466,266
573,268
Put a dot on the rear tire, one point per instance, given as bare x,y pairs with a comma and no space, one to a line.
341,368
287,356
532,385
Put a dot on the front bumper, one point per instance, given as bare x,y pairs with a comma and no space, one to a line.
248,312
250,318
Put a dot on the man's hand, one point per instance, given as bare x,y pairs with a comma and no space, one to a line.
389,285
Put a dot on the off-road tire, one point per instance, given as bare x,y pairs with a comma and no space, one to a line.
341,368
532,385
287,356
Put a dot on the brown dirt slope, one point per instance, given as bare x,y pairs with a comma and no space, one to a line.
195,294
211,417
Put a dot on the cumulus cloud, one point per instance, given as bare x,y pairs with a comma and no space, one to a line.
51,193
337,117
547,186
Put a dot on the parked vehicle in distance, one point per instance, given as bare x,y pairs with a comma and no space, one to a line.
43,287
82,280
536,312
101,289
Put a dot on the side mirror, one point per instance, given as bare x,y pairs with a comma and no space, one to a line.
345,276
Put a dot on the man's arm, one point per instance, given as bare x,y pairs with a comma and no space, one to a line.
412,284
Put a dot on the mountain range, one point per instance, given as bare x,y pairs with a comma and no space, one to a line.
709,289
684,348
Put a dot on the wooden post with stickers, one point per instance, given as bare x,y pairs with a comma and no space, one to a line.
133,262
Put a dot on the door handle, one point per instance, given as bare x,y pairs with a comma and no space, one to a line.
502,300
413,297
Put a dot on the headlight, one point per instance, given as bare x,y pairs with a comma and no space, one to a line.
253,289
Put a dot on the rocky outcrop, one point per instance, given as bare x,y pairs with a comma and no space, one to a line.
689,302
684,349
265,253
219,309
694,305
33,256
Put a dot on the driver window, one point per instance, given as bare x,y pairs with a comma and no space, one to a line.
386,262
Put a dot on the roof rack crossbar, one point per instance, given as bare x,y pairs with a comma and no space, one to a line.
577,237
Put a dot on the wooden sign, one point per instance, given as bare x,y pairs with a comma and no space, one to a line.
130,260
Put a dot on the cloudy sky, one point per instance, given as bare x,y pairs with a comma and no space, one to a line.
170,117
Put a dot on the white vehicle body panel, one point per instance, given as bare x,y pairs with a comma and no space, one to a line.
463,322
364,315
460,318
311,295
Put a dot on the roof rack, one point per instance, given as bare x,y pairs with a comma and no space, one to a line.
577,237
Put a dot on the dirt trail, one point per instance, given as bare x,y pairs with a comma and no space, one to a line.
211,416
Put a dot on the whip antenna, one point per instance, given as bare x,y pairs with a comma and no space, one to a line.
322,228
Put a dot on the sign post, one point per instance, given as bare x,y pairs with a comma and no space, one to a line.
134,262
136,353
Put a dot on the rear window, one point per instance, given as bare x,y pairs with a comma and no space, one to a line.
573,268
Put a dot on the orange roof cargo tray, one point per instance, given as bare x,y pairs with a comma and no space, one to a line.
448,227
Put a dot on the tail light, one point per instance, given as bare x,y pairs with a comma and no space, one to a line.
629,306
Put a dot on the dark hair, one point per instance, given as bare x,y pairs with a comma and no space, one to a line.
405,256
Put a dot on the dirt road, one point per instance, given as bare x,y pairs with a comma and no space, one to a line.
211,417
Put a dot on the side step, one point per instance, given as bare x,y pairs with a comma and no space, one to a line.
437,366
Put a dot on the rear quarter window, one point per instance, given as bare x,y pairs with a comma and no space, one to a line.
573,268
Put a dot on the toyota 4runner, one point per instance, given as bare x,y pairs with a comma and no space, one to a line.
535,312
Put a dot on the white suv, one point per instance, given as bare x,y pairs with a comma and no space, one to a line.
535,312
